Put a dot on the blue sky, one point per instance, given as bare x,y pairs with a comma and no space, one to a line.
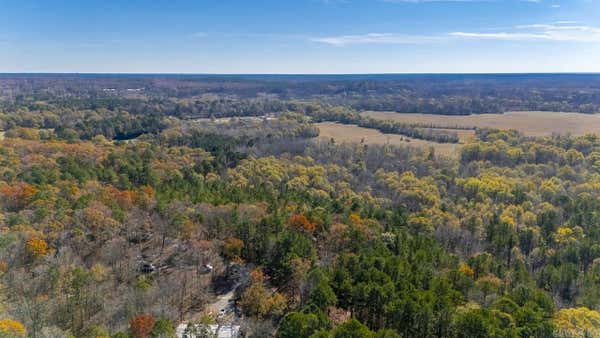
299,36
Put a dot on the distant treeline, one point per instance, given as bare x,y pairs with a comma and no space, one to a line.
134,117
432,94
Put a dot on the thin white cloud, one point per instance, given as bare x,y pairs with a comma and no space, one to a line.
441,1
377,38
543,32
497,36
562,31
424,1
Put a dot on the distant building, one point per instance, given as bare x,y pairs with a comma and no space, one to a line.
186,330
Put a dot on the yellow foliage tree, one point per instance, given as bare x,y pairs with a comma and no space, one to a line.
420,223
232,248
12,328
37,247
258,301
415,193
577,322
466,270
566,235
488,285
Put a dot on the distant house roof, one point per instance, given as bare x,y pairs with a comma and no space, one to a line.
221,331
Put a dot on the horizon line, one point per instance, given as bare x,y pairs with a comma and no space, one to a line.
299,74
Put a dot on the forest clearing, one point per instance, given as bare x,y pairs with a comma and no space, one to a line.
530,123
347,133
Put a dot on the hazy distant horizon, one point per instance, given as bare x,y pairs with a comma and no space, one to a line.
294,74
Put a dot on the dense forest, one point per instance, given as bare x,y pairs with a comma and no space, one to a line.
453,94
127,214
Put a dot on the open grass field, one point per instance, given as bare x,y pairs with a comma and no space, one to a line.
529,123
350,133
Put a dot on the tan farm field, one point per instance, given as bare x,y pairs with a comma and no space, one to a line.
531,123
344,133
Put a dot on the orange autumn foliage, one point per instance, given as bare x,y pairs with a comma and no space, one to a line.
355,218
141,326
145,196
257,276
124,198
37,247
302,223
17,195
